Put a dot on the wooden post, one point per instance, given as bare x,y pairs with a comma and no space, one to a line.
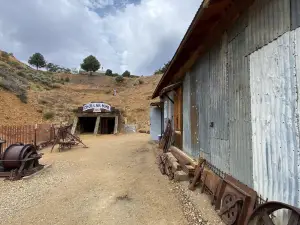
116,125
74,125
97,125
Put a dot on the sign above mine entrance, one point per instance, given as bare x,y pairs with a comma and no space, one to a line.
97,107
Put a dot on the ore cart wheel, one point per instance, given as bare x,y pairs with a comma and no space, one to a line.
230,208
264,214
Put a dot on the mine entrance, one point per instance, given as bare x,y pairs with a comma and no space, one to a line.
107,125
87,124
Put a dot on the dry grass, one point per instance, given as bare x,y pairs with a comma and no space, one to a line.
46,95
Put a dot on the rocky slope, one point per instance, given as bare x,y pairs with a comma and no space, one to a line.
50,99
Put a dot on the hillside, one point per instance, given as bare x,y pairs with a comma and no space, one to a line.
49,99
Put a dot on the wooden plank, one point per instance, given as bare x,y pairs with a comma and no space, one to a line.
182,157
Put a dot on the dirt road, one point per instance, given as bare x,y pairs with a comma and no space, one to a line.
114,181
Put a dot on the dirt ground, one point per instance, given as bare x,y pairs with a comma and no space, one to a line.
114,181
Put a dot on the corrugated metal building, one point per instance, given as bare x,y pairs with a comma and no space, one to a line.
239,64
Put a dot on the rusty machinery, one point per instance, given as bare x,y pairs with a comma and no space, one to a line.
65,139
19,160
236,202
264,214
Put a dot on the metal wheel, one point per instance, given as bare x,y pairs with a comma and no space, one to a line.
230,209
264,214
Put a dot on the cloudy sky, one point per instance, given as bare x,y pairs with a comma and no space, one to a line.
138,35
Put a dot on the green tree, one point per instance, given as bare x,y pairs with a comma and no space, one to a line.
119,79
52,67
90,64
37,60
163,69
126,74
108,72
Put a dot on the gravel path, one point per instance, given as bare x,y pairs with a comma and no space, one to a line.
114,181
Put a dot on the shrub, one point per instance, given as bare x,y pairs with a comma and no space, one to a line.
141,81
48,115
23,96
119,79
4,65
21,74
15,64
55,85
5,55
126,74
42,101
108,72
67,79
13,85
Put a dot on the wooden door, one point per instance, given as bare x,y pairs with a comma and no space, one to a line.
178,118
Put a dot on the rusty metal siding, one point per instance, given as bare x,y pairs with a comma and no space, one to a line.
295,14
201,77
239,110
268,19
187,145
275,73
218,106
194,112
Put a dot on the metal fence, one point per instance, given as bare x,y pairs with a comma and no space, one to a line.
26,134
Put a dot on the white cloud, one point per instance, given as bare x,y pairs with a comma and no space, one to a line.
139,37
96,4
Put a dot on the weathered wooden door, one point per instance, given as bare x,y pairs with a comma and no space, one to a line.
178,119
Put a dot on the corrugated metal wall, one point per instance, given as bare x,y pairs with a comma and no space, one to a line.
194,114
155,120
187,144
218,106
268,19
219,101
201,77
239,110
295,14
275,119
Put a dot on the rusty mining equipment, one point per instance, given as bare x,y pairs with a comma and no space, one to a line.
19,160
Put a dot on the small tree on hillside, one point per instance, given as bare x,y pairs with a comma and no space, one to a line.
37,60
108,72
90,64
126,74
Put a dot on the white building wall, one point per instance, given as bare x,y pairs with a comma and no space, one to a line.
274,82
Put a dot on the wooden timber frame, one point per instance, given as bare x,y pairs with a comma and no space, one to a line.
178,111
113,113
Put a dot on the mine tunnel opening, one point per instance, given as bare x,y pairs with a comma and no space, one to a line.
87,124
107,125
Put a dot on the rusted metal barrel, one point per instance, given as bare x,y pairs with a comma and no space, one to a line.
14,154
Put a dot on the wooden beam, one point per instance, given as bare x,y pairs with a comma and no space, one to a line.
97,124
116,124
